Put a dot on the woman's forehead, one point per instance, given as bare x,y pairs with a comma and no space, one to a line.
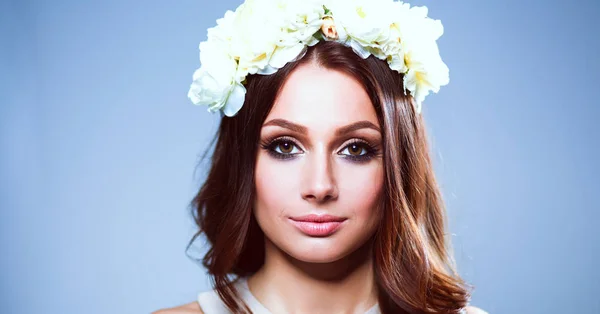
318,97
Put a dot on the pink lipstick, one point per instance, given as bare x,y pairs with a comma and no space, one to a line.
317,225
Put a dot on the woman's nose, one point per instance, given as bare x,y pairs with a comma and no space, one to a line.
318,180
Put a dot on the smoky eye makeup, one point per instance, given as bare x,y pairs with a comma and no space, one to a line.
282,147
359,151
286,148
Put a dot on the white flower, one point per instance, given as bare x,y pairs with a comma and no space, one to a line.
224,31
426,71
366,23
303,20
261,36
425,74
214,82
257,27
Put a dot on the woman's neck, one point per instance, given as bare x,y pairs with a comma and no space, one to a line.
287,285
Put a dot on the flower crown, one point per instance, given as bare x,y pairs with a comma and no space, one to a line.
261,36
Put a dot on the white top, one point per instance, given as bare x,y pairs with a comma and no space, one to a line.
210,303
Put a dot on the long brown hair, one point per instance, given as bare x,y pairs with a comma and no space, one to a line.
414,269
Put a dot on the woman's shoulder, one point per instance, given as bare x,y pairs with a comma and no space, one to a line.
207,302
189,308
475,310
211,301
194,308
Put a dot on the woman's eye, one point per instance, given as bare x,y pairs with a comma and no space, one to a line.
355,149
285,147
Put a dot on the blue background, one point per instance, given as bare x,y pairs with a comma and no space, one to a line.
99,147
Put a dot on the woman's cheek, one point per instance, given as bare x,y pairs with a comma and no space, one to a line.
361,186
275,182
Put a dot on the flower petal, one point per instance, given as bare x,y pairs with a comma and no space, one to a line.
283,55
359,49
267,70
235,100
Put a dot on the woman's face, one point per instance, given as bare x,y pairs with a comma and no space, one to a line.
320,154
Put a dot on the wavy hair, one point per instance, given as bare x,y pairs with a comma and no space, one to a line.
413,265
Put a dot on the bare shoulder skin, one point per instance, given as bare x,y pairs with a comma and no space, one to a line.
189,308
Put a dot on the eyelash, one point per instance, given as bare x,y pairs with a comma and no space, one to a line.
270,147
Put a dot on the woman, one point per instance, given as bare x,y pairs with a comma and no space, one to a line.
321,196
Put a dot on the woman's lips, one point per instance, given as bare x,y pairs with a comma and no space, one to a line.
317,225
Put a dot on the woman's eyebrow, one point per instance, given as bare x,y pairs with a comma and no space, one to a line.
364,124
339,132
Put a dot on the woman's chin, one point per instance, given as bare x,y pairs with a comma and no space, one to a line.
314,250
317,258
